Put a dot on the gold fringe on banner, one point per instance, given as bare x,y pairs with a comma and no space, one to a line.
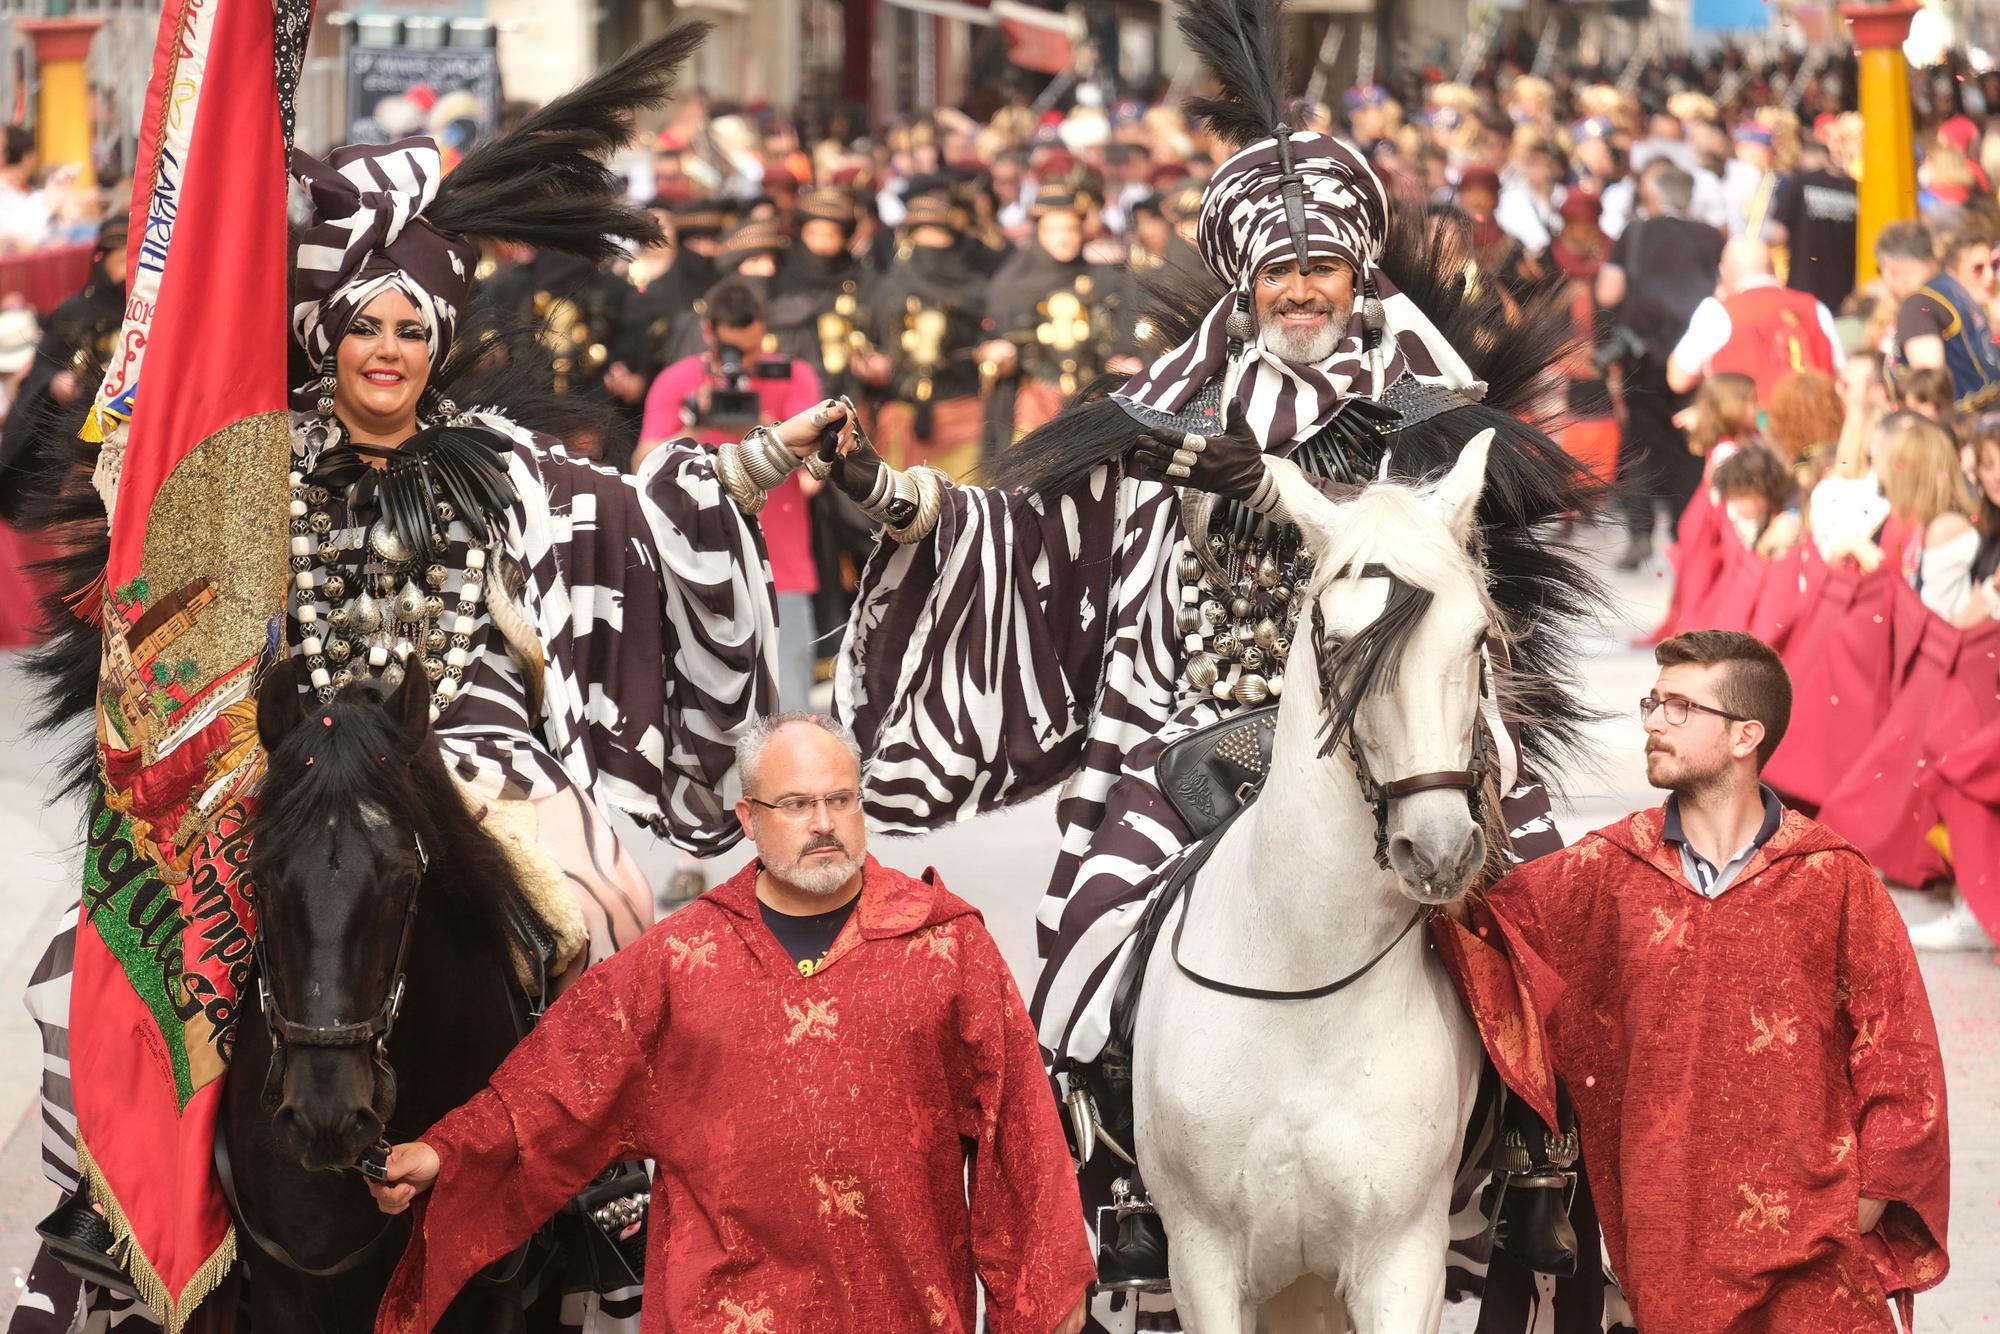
204,1281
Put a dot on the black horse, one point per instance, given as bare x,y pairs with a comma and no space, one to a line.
387,995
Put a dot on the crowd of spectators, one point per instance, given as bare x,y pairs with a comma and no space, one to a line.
1754,410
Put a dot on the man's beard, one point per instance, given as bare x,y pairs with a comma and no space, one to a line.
1298,346
817,877
1676,775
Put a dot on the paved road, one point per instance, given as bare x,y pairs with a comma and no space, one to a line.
1001,863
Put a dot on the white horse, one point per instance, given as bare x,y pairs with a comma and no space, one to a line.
1301,1151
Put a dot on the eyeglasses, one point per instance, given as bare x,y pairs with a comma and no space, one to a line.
801,808
1677,710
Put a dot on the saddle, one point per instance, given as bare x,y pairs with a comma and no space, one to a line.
1209,777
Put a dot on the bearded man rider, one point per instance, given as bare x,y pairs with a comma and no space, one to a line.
1123,590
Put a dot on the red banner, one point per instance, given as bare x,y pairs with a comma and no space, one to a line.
193,466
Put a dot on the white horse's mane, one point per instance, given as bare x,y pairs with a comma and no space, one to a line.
1395,525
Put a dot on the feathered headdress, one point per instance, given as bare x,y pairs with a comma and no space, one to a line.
1285,195
1238,41
386,216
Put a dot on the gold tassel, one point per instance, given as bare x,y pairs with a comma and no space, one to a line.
93,427
152,1290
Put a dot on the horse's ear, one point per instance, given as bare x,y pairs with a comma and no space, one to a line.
279,705
1302,503
410,706
1457,496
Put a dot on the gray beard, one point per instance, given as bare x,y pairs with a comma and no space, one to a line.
817,879
1304,349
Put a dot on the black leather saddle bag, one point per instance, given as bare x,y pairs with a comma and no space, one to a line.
1208,776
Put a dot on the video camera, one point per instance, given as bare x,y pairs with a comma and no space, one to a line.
733,399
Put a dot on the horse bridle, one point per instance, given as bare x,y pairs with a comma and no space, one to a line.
376,1028
1471,780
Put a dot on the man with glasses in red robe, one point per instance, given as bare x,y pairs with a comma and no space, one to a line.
1730,995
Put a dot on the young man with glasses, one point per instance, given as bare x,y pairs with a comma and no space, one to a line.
833,1072
1730,996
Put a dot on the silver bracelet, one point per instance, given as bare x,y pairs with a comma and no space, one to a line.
879,495
766,460
928,483
730,471
1265,498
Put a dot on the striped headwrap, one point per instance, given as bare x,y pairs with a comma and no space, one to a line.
1243,228
368,236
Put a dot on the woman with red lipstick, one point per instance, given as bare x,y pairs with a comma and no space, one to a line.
543,596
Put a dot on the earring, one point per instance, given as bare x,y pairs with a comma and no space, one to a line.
1374,319
327,383
1237,326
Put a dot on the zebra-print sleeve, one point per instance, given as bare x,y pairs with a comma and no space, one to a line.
653,597
973,658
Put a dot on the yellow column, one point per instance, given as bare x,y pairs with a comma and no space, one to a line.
63,129
1888,185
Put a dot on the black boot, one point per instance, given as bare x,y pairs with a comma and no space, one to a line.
1133,1249
1136,1254
1532,1169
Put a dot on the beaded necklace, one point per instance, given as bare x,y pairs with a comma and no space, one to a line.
385,590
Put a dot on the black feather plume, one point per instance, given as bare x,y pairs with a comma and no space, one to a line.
1238,41
545,183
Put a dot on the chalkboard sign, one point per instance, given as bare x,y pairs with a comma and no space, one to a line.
449,93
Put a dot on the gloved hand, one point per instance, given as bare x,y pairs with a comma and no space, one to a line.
855,471
1230,464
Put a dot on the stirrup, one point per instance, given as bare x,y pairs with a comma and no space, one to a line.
1548,1243
1140,1245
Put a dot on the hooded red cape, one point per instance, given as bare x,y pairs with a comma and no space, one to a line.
839,1153
1744,1068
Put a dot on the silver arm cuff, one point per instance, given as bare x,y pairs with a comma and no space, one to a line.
928,484
735,479
1265,498
766,460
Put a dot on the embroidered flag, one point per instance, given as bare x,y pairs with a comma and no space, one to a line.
192,467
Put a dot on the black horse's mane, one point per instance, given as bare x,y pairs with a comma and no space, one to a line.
365,759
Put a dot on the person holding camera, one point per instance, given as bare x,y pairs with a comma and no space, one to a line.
715,397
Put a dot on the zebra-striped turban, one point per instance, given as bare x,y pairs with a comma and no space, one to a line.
368,236
1244,227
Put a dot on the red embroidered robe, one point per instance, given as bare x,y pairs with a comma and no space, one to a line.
815,1138
1744,1069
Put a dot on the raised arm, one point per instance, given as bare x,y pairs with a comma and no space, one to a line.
978,641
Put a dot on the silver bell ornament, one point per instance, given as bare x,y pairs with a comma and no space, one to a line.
410,602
